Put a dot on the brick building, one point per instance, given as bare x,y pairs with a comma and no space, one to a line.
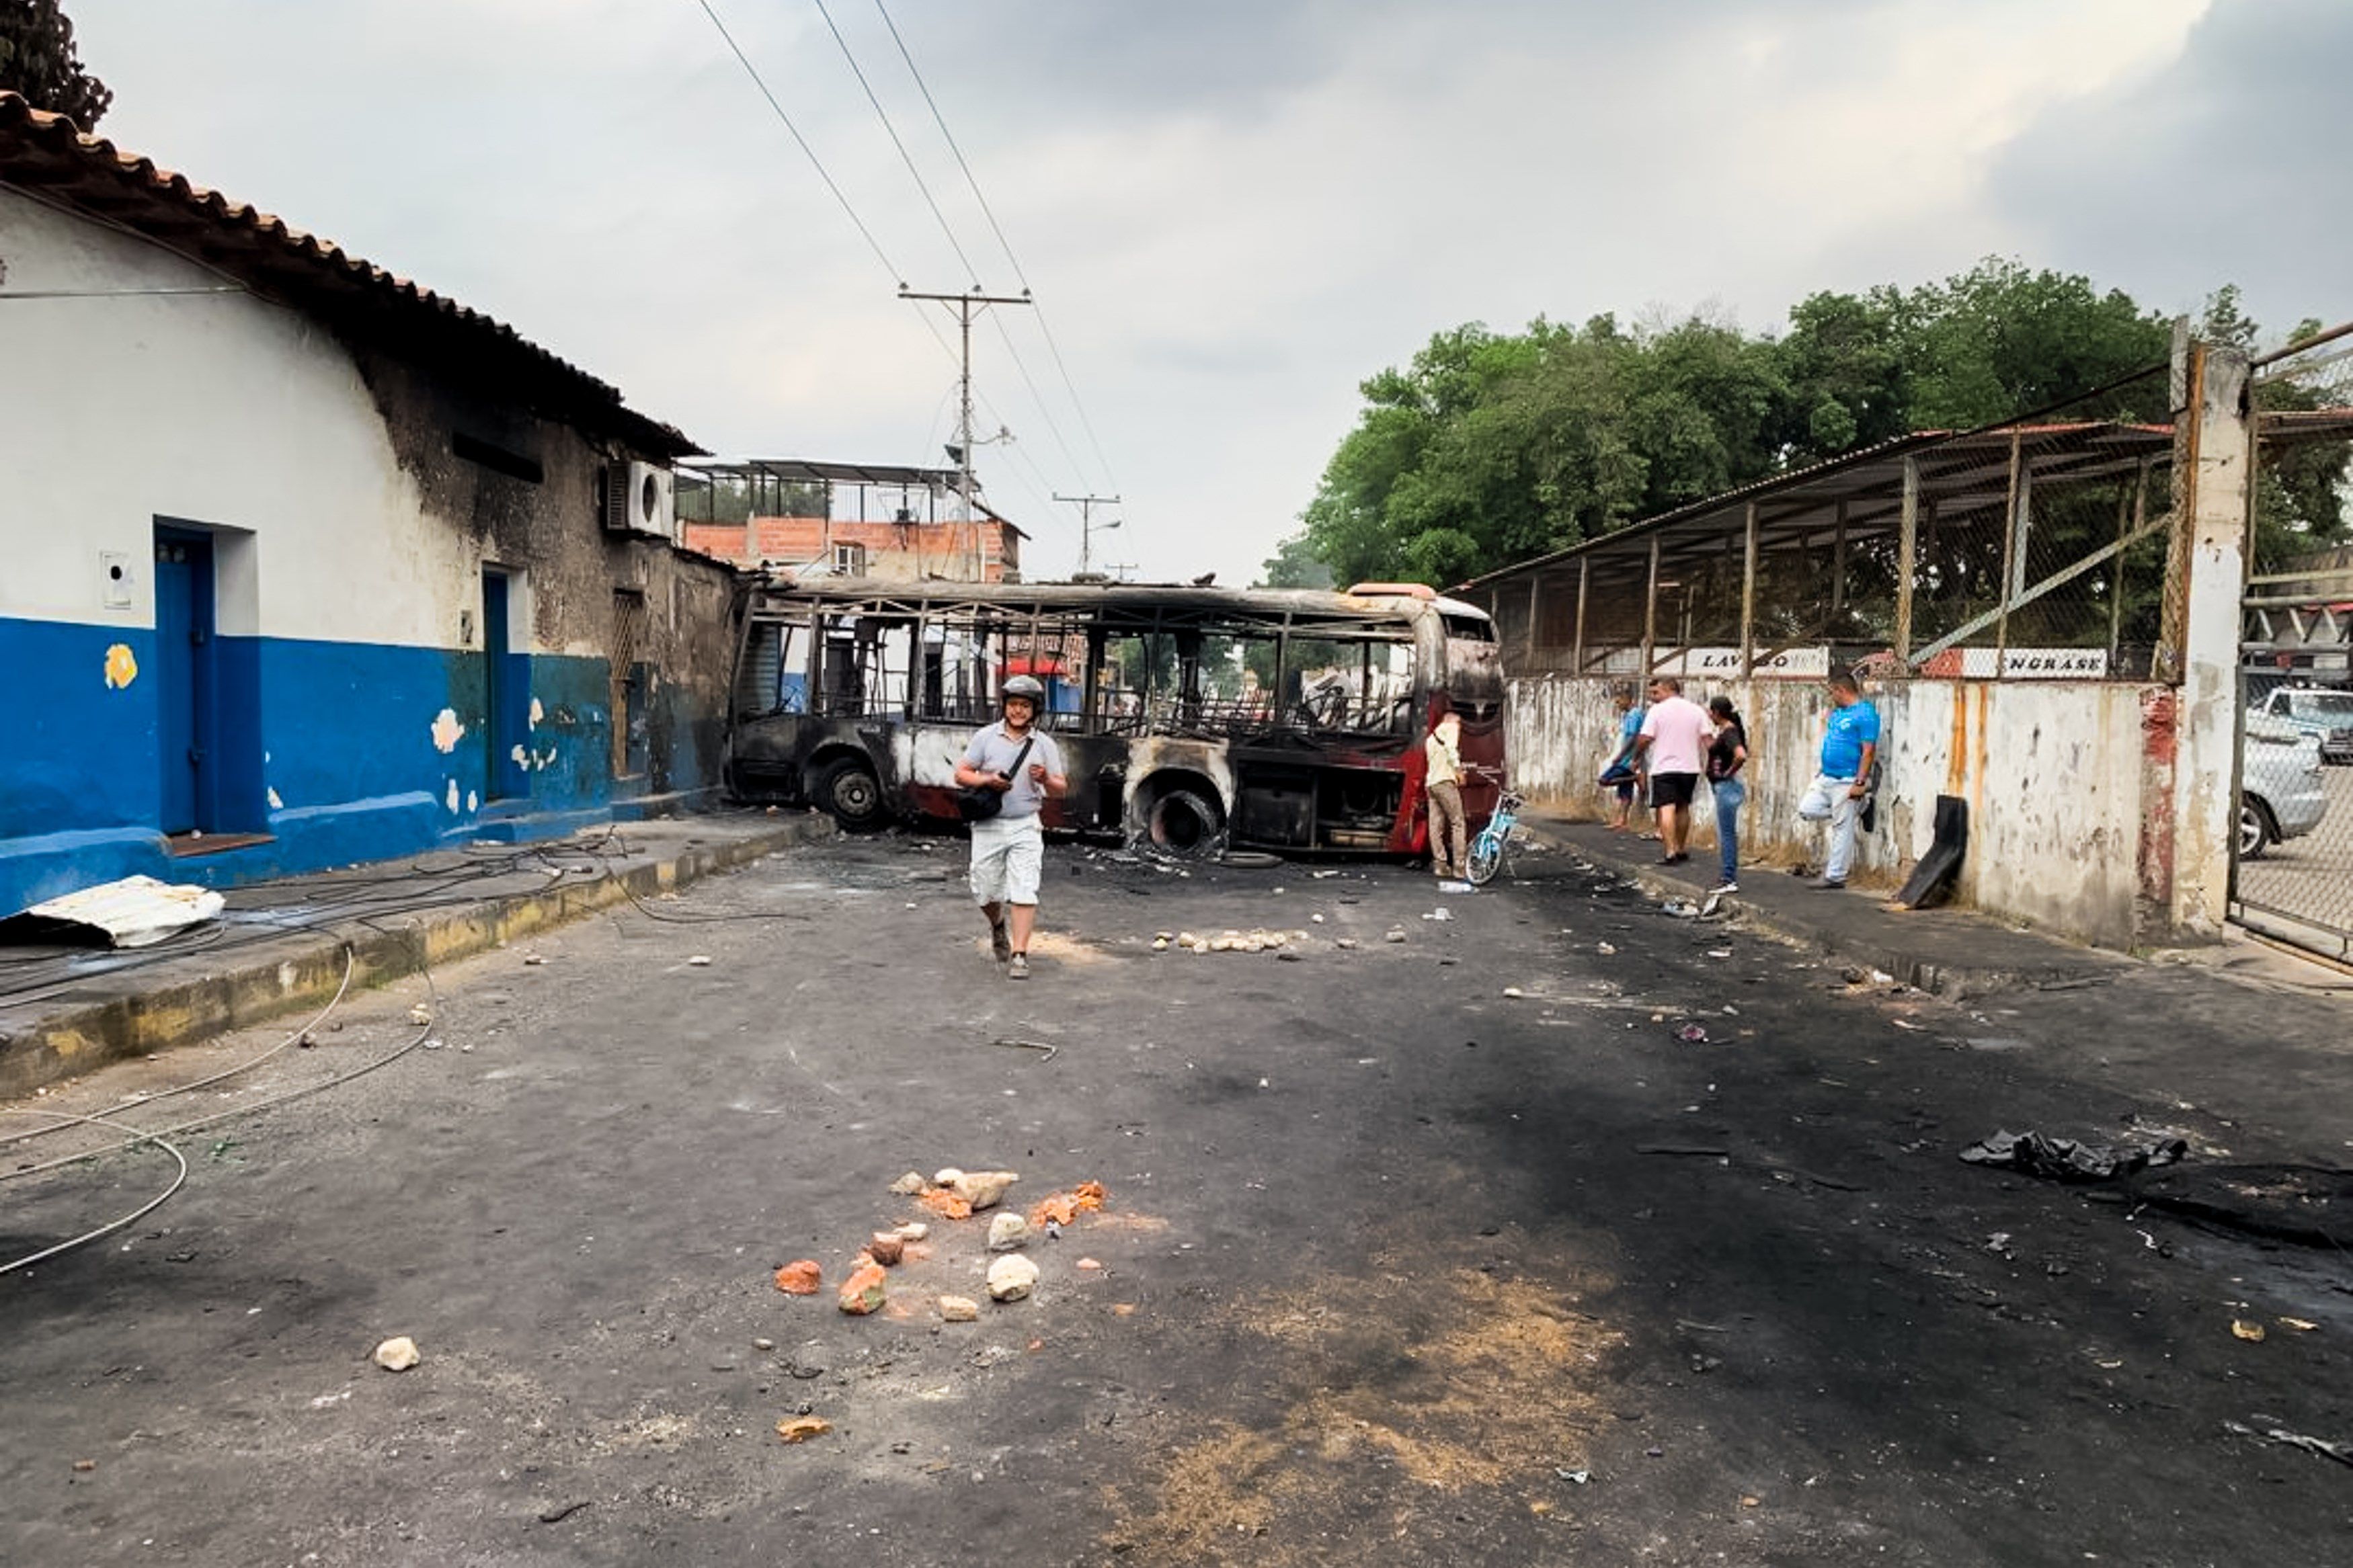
845,520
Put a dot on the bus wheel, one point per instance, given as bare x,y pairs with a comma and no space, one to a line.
847,788
1185,824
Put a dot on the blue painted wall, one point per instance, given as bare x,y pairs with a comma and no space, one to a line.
344,733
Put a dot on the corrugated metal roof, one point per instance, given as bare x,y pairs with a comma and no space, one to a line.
47,156
1861,493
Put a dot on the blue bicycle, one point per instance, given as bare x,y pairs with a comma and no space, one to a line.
1486,857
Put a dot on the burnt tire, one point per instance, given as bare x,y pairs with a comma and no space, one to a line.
1184,822
847,788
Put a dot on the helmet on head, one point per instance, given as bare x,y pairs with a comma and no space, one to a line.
1024,686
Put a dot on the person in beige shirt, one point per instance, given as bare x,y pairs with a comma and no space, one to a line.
1447,826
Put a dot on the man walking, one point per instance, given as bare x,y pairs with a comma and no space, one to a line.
1849,747
1021,761
1675,736
1443,786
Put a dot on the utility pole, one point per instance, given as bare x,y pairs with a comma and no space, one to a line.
1086,505
965,305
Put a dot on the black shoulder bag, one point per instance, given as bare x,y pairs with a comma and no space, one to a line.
978,803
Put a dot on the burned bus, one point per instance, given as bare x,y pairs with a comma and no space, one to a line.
1190,717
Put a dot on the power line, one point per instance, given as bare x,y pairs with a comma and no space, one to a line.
907,158
814,161
1003,244
970,270
851,212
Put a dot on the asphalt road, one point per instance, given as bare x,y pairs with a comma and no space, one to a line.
1395,1266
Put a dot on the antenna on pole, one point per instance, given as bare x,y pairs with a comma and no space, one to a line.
965,305
1086,505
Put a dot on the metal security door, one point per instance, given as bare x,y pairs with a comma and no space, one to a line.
183,650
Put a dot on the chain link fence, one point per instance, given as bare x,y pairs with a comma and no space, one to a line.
2293,876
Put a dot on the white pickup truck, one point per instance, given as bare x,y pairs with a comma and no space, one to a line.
2324,714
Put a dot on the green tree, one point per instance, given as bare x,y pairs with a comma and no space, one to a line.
38,60
1293,565
1489,448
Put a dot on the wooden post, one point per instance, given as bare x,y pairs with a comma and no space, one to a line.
1576,646
1651,610
2009,559
1907,554
2116,578
1838,564
1536,601
1748,596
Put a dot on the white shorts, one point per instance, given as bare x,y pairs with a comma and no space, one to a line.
1008,853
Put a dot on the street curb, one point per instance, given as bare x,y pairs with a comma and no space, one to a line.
2061,964
306,970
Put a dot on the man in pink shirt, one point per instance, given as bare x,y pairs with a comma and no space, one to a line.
1674,746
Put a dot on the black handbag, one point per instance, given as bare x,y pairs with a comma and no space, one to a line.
978,803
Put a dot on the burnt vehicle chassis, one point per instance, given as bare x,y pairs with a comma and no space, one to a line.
830,714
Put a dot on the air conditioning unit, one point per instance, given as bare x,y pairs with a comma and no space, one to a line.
639,498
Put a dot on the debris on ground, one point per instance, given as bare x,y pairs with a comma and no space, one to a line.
1396,934
886,1247
944,1203
1064,1208
981,1189
907,1186
802,1276
2066,1160
1692,1033
958,1310
864,1290
1605,949
2340,1452
398,1354
699,960
1007,1231
1045,1048
801,1428
1011,1277
2241,1329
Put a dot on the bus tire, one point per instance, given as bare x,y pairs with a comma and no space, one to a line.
847,788
1185,824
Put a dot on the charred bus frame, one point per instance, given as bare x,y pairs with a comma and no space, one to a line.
1188,717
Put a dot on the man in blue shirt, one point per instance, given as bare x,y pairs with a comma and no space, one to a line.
1849,747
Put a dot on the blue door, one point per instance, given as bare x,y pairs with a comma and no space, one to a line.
505,690
184,675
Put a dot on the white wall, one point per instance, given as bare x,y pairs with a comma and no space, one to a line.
118,410
2052,772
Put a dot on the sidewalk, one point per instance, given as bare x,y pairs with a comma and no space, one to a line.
1946,952
287,946
2254,1042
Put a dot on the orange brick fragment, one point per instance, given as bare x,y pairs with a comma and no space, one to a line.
800,1278
1062,1208
863,1291
944,1203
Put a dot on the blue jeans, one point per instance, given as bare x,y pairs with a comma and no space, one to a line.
1729,795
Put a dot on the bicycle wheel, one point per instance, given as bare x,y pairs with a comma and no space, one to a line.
1486,854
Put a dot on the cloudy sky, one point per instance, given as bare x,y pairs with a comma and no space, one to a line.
1231,210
